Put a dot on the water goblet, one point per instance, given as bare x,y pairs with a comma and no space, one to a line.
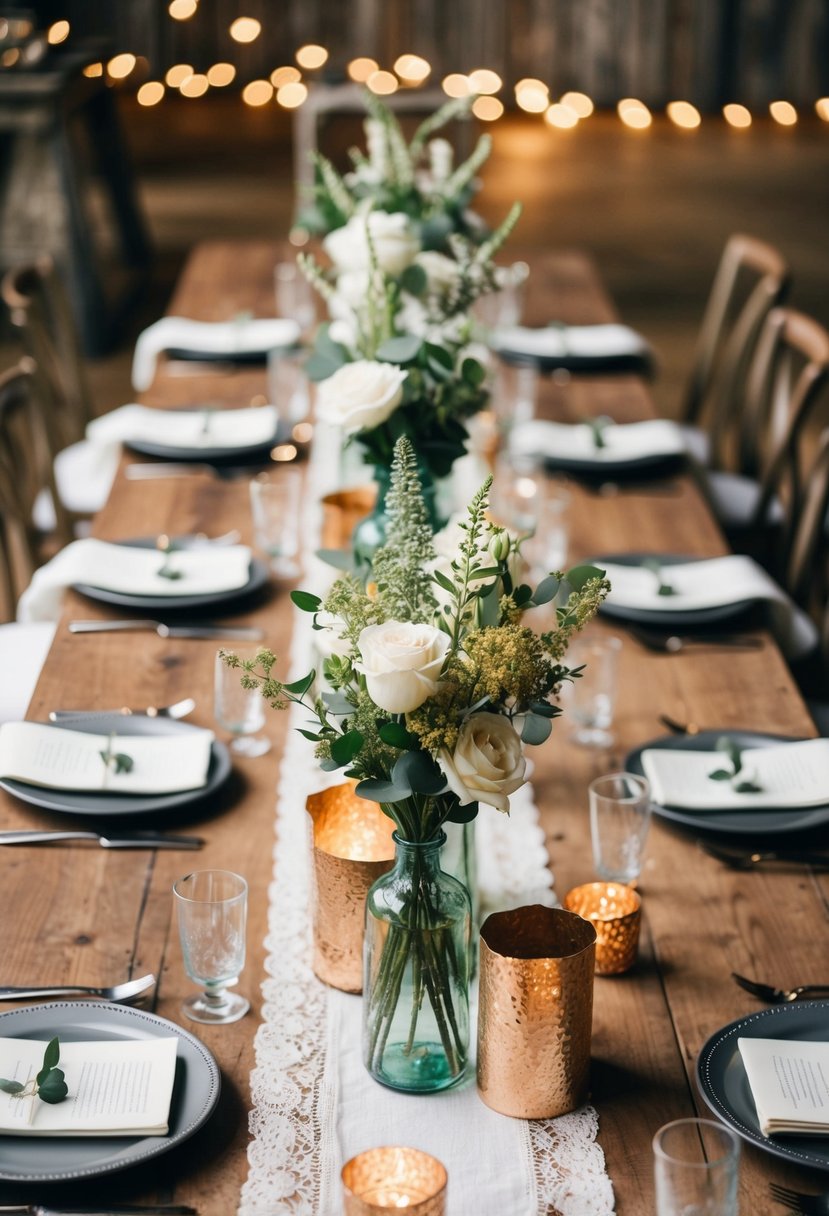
274,504
591,699
240,710
620,814
212,915
696,1169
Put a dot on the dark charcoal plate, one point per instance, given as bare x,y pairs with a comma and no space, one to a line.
107,804
724,1085
669,620
767,822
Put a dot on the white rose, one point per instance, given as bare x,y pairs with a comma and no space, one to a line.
488,762
401,663
441,272
361,395
395,243
352,287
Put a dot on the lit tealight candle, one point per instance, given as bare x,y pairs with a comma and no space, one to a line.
388,1179
614,910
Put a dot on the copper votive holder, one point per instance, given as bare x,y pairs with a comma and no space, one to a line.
535,1011
342,511
616,912
352,847
390,1179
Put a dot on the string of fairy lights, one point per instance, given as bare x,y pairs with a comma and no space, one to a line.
287,86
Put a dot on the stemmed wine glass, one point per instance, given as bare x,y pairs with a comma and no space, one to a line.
240,710
212,914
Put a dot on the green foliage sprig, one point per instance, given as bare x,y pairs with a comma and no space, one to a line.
732,750
50,1083
117,762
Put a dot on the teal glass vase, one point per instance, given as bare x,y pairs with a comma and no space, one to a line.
458,859
370,533
416,972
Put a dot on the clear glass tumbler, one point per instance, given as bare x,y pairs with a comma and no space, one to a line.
514,394
620,814
274,504
288,386
240,710
546,550
294,295
696,1169
212,915
591,701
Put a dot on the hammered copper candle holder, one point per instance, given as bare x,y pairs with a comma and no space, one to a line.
616,912
352,846
535,1011
388,1179
342,511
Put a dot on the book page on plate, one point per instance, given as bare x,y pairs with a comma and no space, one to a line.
116,1088
789,775
789,1083
72,760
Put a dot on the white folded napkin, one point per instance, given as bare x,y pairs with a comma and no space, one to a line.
711,584
132,571
570,341
240,337
788,775
787,1078
576,441
71,759
204,429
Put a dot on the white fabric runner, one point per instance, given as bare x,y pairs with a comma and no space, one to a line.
247,335
314,1104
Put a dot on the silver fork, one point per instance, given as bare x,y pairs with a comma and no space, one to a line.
118,992
179,709
798,1201
781,996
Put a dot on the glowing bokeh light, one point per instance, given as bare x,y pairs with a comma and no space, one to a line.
121,65
182,10
487,108
456,85
194,86
292,95
579,102
94,69
311,56
245,29
784,113
150,94
360,69
57,32
178,73
560,115
532,96
736,115
412,69
482,80
285,75
634,114
822,108
382,83
257,93
683,114
221,74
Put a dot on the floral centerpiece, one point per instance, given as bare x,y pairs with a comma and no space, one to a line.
415,178
438,686
397,358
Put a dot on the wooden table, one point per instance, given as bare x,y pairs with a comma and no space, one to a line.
89,916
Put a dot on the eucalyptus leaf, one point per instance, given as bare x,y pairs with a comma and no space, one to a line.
345,747
536,729
340,559
720,774
414,280
579,576
462,813
748,787
419,772
473,372
376,790
299,687
546,590
396,735
399,350
11,1087
305,601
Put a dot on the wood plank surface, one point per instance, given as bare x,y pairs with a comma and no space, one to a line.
89,916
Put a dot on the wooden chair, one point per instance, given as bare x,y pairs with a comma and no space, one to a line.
807,578
751,279
39,308
25,474
758,508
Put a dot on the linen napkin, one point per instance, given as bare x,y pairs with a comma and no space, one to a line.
711,584
249,336
132,571
571,343
787,775
556,441
787,1079
73,760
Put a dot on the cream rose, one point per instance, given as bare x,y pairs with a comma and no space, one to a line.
401,663
488,762
395,244
361,395
441,272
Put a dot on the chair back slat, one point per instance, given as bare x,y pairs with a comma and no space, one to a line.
807,572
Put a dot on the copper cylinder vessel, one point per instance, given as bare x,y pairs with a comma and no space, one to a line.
535,1011
352,847
342,510
616,912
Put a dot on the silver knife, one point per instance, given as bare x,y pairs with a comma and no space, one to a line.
179,709
112,840
156,1209
241,633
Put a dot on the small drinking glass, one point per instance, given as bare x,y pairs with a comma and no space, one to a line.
514,393
274,504
503,308
294,295
288,386
592,698
696,1169
212,910
620,814
240,710
547,549
516,492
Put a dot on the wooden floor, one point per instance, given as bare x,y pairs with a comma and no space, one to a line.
653,207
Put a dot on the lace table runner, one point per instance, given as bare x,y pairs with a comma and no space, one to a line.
314,1105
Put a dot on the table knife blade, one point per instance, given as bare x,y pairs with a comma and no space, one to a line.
241,633
113,840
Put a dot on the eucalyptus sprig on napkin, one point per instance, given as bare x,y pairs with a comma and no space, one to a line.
118,762
740,785
49,1085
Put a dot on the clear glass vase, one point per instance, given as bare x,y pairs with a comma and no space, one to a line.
458,859
416,972
370,533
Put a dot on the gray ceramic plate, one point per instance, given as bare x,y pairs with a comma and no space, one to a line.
724,1086
71,802
60,1159
239,453
166,604
671,620
768,822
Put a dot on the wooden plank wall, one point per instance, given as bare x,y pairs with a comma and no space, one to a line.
708,51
